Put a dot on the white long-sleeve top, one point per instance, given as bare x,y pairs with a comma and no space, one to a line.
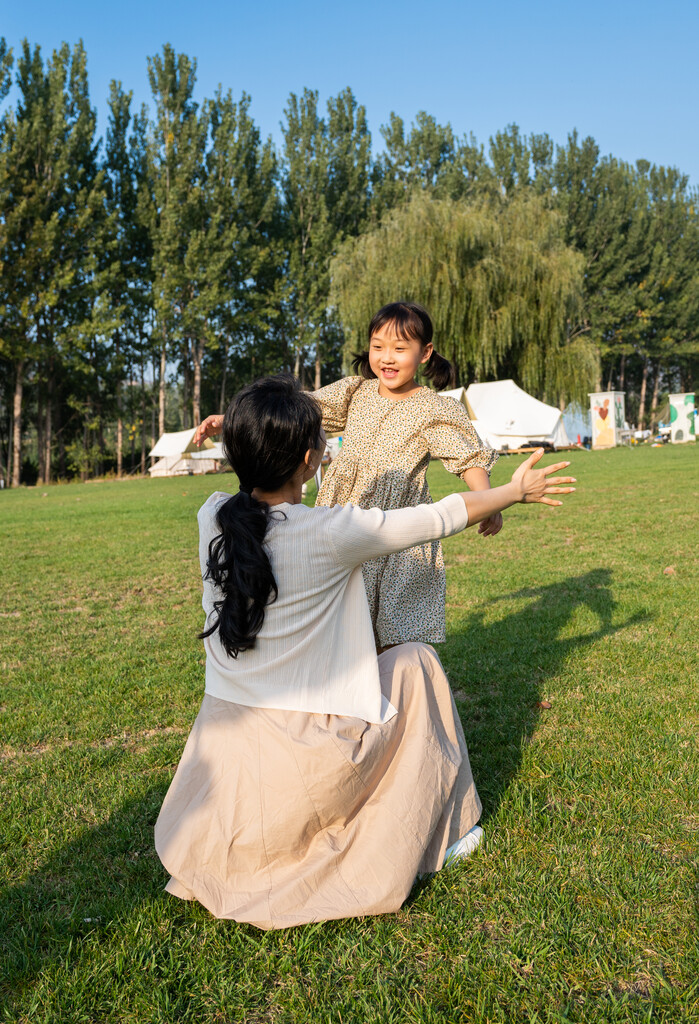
315,651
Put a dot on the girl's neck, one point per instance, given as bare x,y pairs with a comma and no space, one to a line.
398,394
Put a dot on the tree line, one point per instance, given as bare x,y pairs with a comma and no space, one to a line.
147,276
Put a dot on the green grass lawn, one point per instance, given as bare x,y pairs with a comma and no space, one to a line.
582,904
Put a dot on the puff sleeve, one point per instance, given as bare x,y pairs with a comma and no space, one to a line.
451,437
334,400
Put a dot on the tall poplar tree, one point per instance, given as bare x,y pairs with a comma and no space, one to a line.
428,157
666,297
304,183
325,186
604,219
130,284
53,232
511,159
245,221
8,326
175,167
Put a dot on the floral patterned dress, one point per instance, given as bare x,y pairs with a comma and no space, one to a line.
386,449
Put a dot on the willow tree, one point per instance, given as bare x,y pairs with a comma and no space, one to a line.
504,291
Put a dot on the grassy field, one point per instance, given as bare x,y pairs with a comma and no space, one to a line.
582,905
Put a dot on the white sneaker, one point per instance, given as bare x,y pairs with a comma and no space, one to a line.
464,846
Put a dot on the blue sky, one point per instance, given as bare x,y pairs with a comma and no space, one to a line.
625,73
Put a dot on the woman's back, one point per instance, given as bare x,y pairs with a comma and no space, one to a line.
315,650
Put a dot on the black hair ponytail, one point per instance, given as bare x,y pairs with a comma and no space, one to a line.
410,320
239,566
440,371
267,430
360,365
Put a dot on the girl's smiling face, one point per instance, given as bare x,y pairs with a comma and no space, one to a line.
395,360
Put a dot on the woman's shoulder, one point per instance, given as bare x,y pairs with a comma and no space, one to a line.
316,527
211,504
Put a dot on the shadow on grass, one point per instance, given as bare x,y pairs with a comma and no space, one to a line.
82,888
499,670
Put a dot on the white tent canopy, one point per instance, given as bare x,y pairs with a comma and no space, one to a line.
177,455
507,417
214,452
178,443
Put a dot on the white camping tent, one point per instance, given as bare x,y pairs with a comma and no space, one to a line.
177,455
507,417
214,452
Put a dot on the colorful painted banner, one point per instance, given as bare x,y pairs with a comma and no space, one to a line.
682,418
607,413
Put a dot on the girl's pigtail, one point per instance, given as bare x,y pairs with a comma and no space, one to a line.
440,371
360,363
238,564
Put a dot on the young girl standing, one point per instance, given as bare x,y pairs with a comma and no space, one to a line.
391,426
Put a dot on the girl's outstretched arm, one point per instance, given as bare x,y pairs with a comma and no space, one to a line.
334,400
209,427
451,437
477,479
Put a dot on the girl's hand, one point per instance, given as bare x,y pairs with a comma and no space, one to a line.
208,428
489,527
536,484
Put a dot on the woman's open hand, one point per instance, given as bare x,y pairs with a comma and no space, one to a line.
537,484
208,428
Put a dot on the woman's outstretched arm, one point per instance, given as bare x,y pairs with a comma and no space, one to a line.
527,486
359,534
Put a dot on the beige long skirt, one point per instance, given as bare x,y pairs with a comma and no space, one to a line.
280,818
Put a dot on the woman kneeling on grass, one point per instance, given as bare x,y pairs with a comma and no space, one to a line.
319,779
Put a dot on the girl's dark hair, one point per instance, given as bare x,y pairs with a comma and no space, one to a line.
410,320
267,430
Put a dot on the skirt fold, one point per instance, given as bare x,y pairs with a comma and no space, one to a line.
281,818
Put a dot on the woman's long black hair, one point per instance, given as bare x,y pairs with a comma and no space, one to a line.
267,430
410,321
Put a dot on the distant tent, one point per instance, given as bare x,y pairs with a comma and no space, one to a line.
577,421
507,417
177,455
